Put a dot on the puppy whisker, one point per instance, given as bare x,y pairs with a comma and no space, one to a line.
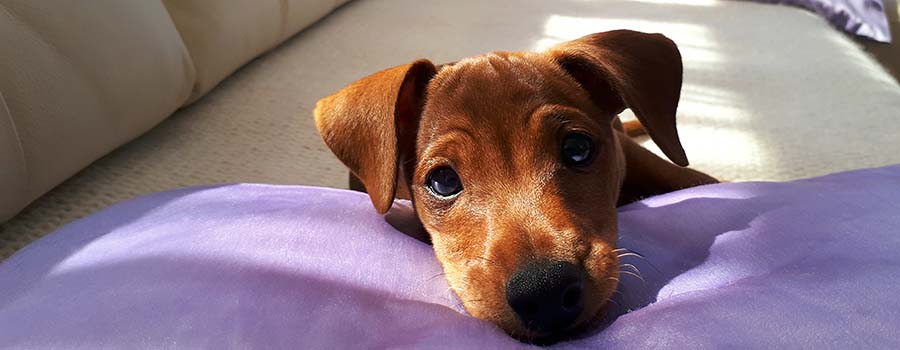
639,256
435,276
624,255
610,300
633,274
489,261
617,250
628,251
632,267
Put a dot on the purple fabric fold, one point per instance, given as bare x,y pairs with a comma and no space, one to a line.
807,264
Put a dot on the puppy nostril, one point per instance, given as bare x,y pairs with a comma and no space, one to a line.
528,309
572,297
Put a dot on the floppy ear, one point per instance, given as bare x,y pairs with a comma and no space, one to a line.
627,69
371,125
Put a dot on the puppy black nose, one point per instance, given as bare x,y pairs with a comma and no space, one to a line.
547,296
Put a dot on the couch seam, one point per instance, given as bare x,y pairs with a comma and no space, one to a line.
12,122
18,141
188,58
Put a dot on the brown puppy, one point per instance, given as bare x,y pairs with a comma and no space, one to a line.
515,164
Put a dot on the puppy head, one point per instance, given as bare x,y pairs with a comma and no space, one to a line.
514,166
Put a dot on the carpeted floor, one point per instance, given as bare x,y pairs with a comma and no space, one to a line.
771,93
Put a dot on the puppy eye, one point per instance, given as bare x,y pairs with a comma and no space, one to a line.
443,182
577,149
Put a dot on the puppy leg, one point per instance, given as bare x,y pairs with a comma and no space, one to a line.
647,175
633,128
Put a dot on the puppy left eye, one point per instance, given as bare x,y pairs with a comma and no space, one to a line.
444,182
577,149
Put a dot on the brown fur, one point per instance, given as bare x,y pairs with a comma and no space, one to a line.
497,120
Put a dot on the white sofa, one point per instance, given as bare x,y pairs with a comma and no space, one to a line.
771,92
79,79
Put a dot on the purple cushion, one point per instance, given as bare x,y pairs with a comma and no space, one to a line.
807,264
865,18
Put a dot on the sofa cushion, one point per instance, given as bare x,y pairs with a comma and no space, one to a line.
300,14
78,80
221,36
809,264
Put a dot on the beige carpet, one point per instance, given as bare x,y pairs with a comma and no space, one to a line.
771,93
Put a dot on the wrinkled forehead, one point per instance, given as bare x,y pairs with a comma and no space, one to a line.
497,89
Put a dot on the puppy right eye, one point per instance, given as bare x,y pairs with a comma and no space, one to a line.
577,149
443,182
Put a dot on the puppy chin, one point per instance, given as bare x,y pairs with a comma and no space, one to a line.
544,339
592,319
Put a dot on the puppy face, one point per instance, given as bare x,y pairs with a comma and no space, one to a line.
515,165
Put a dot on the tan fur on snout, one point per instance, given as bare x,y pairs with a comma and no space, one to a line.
498,121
